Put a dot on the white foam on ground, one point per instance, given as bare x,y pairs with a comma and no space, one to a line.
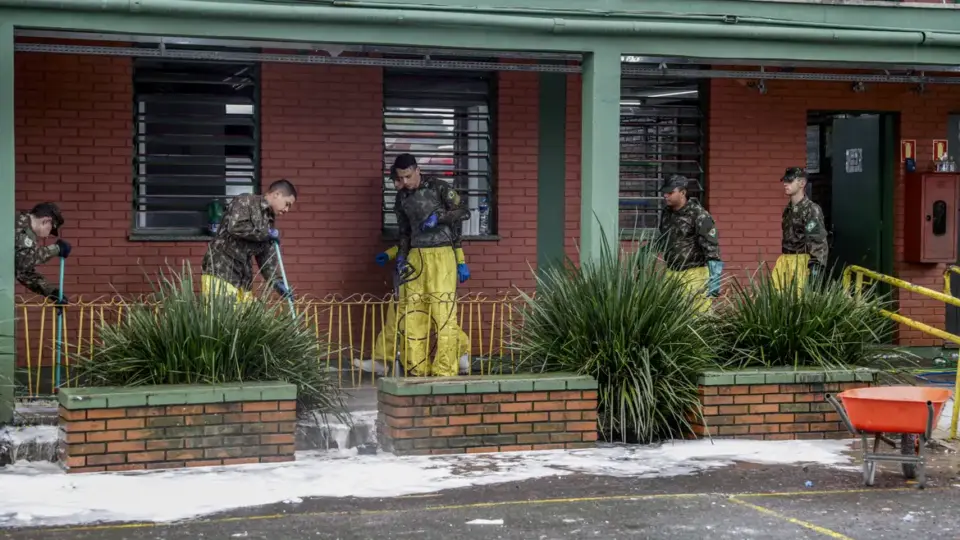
39,494
23,434
485,522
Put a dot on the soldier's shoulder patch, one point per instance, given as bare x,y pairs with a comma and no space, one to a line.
26,242
713,232
811,225
453,196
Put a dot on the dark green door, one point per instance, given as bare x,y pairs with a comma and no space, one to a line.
856,193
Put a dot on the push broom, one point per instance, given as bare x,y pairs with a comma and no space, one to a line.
283,274
56,373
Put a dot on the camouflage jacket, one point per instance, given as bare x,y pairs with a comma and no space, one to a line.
243,235
414,207
688,237
29,253
804,231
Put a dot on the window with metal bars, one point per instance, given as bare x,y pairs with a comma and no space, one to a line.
445,120
661,134
197,141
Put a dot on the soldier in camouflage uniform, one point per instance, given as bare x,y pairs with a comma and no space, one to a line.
385,344
689,241
247,232
41,222
804,244
429,212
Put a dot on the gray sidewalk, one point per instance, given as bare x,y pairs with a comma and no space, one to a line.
744,501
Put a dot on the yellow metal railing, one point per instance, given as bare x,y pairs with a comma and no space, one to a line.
861,275
348,328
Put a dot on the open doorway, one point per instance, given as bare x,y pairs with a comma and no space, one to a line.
851,161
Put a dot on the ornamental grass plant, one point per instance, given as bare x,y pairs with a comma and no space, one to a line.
824,327
179,336
623,319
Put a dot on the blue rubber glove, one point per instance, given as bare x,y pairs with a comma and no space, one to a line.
429,223
275,235
282,290
463,273
713,282
382,258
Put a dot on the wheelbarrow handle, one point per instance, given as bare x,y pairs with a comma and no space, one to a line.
930,419
843,413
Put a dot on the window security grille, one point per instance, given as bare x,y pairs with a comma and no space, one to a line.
661,134
445,121
197,140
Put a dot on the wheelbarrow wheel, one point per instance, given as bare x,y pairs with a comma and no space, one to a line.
909,446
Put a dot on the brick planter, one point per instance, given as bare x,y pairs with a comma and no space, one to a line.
775,404
455,415
164,427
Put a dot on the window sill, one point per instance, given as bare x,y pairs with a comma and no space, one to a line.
466,239
167,237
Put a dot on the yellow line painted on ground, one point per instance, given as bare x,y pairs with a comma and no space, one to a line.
467,506
805,524
826,492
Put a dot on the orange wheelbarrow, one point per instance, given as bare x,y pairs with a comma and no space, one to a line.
908,410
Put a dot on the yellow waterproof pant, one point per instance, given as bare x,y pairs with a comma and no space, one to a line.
695,280
385,344
430,296
791,268
212,284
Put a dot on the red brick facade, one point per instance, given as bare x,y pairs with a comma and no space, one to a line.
321,127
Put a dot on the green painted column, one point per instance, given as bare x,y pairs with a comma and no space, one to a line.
552,169
7,205
600,180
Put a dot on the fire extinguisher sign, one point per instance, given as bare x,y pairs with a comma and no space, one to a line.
908,149
939,149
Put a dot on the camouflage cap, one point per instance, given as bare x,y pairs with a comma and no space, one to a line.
52,211
792,173
675,181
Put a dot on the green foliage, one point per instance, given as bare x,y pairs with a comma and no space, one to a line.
825,326
183,337
631,325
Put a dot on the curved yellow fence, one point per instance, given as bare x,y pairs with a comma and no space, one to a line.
350,328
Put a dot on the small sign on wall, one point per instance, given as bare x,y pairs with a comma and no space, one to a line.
908,149
854,162
939,149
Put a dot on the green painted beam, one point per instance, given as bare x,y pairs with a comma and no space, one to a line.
878,13
7,209
551,169
600,174
490,38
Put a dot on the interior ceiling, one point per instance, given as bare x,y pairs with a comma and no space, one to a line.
299,52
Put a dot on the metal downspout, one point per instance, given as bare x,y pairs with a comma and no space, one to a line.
546,25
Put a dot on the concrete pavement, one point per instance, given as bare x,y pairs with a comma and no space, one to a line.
744,501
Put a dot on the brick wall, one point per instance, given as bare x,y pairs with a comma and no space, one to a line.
115,438
322,128
753,138
486,414
573,152
774,411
